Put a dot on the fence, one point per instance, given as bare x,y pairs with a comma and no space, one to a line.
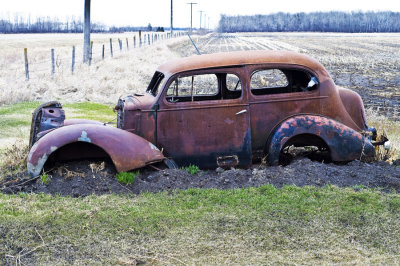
136,41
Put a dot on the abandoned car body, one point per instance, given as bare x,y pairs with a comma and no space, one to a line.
225,109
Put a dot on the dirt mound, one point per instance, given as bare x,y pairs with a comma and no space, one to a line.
84,178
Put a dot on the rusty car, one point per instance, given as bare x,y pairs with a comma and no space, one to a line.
215,110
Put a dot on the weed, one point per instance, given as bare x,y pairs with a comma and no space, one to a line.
191,169
45,178
13,158
126,177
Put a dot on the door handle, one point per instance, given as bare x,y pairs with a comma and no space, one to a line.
241,112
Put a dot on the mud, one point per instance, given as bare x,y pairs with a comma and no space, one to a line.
80,179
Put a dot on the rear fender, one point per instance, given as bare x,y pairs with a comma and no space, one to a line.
127,151
345,144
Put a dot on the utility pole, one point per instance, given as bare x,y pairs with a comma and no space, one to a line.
191,13
86,32
201,15
172,15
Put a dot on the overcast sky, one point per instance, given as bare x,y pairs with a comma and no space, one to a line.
157,12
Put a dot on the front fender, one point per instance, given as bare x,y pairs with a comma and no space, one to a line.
127,151
345,144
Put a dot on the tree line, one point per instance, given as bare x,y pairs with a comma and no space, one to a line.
20,24
334,21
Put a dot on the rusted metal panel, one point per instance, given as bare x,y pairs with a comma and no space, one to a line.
126,150
219,60
345,144
70,122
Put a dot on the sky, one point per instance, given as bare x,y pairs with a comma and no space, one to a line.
157,12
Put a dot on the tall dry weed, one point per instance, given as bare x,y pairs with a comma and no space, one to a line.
13,158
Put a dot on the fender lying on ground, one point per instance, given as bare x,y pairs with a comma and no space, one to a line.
345,144
126,150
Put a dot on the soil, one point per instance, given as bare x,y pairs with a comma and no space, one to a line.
79,179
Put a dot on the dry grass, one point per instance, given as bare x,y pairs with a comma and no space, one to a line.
127,72
13,158
391,129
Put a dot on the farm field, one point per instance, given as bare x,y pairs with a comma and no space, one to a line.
305,213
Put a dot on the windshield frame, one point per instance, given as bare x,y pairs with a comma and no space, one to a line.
155,82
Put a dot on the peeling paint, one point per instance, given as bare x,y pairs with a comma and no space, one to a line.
84,137
53,148
35,170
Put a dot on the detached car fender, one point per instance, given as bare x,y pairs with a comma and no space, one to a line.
345,144
127,151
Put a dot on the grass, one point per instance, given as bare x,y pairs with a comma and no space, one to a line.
204,226
127,177
44,178
191,169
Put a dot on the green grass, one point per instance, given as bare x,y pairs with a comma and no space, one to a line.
126,177
241,226
191,169
44,178
15,119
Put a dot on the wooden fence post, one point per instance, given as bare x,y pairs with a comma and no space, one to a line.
73,60
120,44
52,62
134,41
90,53
111,48
140,38
102,53
148,38
127,44
26,63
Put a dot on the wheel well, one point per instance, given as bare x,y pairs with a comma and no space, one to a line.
77,151
320,152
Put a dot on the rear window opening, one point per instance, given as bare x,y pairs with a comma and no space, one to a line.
276,81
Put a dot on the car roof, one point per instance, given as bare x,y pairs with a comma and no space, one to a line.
237,58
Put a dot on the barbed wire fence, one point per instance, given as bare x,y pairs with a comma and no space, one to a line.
58,63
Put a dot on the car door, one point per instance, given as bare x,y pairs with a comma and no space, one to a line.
276,93
203,119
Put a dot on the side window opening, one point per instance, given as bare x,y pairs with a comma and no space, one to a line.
204,87
276,81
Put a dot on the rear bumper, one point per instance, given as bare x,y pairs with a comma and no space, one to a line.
376,140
